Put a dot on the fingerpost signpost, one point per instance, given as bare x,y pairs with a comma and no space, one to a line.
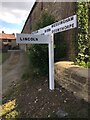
46,36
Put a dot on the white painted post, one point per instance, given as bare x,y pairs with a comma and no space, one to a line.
51,63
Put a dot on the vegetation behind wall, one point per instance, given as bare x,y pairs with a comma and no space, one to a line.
83,58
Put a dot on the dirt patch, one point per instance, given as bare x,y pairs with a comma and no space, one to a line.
35,100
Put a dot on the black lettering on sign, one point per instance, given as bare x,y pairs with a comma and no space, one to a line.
58,30
61,22
70,25
25,38
28,39
42,34
47,30
62,28
73,25
36,39
32,39
72,18
66,27
20,39
68,20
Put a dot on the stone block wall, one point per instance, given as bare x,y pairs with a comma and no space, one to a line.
73,78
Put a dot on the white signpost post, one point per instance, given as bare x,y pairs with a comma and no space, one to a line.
45,36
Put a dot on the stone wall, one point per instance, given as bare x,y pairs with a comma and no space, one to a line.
73,78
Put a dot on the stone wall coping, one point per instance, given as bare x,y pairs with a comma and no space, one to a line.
80,71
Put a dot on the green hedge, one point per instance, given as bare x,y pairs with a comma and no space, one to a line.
83,58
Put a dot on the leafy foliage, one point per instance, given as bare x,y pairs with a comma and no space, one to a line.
44,20
9,111
38,54
83,57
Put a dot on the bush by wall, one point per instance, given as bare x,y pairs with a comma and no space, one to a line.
83,58
38,54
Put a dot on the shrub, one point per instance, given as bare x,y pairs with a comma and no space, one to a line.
83,57
38,54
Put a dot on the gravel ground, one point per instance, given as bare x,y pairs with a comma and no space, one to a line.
35,100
